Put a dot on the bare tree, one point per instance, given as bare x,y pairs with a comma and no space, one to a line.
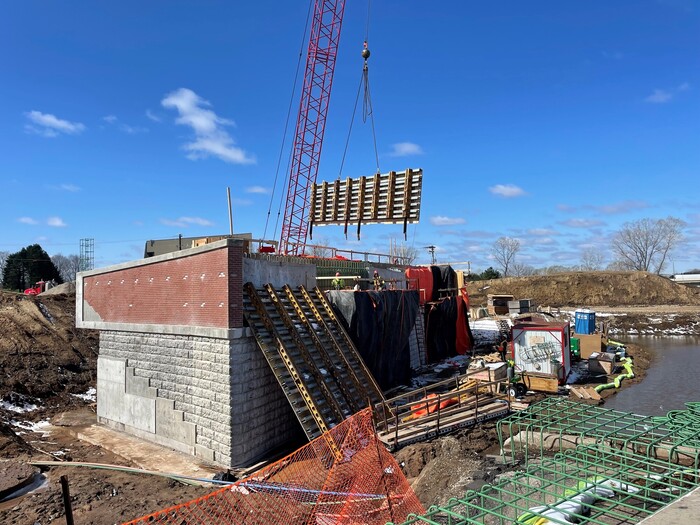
403,253
321,248
504,251
644,245
523,270
3,260
555,269
592,260
67,266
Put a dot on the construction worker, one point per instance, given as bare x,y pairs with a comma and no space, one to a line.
378,281
502,349
337,283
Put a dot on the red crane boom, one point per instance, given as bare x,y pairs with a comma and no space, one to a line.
311,122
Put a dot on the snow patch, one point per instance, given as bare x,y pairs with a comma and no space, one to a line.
39,427
19,409
89,396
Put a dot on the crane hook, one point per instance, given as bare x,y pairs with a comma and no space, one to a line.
365,52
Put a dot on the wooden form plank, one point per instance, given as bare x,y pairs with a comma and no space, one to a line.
390,198
462,419
541,382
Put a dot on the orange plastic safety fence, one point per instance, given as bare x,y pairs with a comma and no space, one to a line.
345,476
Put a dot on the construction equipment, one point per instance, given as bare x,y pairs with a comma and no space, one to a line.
311,122
38,288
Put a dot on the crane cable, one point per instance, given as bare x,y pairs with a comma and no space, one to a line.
367,111
286,129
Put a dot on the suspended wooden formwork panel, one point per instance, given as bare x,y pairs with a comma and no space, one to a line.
389,198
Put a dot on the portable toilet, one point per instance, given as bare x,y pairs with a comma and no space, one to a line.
584,322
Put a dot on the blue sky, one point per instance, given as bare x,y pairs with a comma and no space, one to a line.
552,122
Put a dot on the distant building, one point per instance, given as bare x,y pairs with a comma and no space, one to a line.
691,279
162,246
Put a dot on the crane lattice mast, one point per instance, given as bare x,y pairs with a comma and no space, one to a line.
311,121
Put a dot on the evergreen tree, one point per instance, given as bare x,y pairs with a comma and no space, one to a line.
27,266
490,273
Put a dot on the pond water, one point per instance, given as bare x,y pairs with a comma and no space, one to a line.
673,379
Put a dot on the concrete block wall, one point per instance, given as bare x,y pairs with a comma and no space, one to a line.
213,398
176,365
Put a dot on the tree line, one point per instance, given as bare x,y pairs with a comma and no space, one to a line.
644,245
22,269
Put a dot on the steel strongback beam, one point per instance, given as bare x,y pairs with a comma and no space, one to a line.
327,361
288,363
305,355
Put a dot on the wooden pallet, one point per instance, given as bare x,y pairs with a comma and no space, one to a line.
585,392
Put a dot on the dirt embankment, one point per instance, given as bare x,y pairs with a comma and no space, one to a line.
42,354
589,289
44,360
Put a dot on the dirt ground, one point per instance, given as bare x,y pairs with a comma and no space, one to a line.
45,361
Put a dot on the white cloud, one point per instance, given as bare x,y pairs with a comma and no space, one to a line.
185,222
27,220
126,128
541,231
621,207
614,55
581,223
56,222
69,187
152,116
132,130
441,220
543,240
507,190
210,136
659,96
257,189
404,149
49,125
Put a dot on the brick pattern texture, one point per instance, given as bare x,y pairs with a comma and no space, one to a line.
204,289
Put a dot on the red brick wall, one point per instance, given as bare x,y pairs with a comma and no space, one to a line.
189,291
235,271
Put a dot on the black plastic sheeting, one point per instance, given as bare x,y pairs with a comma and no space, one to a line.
441,326
448,277
437,282
444,278
380,323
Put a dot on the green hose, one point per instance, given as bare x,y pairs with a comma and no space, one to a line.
629,374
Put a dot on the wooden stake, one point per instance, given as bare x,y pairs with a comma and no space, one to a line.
66,500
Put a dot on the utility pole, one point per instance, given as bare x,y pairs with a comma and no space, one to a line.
431,249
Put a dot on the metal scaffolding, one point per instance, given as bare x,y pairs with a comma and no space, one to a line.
622,468
87,255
